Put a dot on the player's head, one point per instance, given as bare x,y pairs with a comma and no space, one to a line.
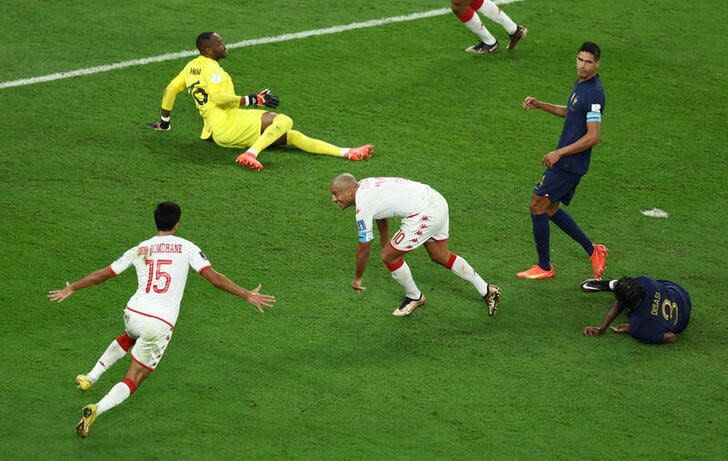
629,293
343,190
166,216
211,45
587,60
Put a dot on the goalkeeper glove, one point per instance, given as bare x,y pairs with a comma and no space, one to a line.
160,125
264,98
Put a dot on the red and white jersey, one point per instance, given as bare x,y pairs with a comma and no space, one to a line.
379,198
162,264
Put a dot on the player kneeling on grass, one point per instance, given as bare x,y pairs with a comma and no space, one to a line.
253,129
425,221
161,263
657,309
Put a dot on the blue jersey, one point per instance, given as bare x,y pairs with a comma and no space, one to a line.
586,104
665,307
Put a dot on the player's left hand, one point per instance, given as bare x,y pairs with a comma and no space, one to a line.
550,159
267,99
592,331
356,286
60,295
258,300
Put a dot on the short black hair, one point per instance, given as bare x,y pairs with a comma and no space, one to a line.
591,47
629,293
202,40
166,215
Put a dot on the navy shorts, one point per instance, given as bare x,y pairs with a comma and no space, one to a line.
557,185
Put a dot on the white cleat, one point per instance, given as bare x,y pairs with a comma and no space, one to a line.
408,306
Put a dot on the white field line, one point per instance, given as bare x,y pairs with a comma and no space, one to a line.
244,43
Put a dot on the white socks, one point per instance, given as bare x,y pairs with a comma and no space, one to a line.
475,25
403,276
113,353
463,270
495,14
116,395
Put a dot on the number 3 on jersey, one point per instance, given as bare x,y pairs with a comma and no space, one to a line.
158,276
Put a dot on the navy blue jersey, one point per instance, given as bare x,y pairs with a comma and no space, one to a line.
665,307
586,104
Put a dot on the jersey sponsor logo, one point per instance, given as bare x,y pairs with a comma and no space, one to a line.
195,71
361,226
596,107
215,78
202,255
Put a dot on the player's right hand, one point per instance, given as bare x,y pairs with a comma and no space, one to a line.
529,103
160,125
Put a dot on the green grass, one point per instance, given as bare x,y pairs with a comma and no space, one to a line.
328,374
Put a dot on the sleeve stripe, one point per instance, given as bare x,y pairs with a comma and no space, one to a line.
204,268
593,117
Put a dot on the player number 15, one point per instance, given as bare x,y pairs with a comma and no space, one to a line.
158,275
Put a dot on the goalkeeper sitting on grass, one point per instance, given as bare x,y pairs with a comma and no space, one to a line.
214,94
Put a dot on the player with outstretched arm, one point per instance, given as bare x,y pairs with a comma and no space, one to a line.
162,263
212,90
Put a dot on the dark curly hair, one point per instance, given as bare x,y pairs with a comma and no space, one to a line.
629,293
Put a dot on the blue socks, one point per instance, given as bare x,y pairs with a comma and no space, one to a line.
567,224
541,237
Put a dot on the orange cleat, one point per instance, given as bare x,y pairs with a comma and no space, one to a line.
599,260
536,273
249,160
359,153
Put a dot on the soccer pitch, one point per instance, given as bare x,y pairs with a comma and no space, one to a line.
327,374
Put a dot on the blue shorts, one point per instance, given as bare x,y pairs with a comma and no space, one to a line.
557,185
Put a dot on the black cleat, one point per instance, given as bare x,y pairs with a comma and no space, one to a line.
482,48
590,285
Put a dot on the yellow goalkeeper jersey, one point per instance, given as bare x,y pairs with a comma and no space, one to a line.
210,87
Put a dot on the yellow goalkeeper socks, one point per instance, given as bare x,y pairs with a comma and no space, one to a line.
281,125
315,146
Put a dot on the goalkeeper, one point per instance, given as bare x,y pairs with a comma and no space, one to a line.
253,129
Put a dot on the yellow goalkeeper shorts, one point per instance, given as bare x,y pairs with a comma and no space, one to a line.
240,130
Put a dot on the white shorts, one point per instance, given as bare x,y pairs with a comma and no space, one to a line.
151,336
432,223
